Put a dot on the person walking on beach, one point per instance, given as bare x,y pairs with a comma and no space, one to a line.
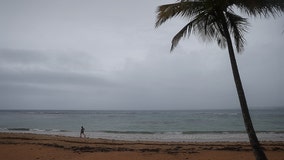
82,132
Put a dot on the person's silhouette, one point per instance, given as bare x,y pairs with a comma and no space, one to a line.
82,132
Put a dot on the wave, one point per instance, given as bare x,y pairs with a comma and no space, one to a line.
18,129
188,132
191,136
129,132
33,130
140,132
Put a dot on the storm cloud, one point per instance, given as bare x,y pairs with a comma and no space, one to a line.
108,55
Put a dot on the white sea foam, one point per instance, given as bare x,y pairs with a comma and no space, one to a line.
164,137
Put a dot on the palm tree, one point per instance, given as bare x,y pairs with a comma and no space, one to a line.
217,20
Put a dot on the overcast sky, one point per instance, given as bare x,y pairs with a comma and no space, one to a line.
91,54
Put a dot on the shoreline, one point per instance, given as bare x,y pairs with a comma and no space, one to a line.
161,137
40,146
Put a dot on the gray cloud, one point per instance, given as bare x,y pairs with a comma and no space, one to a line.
101,55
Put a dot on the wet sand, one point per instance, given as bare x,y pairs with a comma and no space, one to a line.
15,146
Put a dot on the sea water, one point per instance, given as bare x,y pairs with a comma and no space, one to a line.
157,125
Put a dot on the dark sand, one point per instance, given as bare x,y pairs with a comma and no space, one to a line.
16,146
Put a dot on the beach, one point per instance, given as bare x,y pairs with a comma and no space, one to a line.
26,146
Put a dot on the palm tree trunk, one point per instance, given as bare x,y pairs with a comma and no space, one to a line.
257,150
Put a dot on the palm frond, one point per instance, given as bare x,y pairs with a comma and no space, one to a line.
202,24
185,31
209,27
168,11
237,26
262,8
211,18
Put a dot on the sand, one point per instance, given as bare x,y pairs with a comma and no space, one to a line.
19,146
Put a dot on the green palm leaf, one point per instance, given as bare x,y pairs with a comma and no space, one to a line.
165,12
238,26
265,8
204,20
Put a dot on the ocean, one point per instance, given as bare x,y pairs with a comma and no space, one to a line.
156,125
